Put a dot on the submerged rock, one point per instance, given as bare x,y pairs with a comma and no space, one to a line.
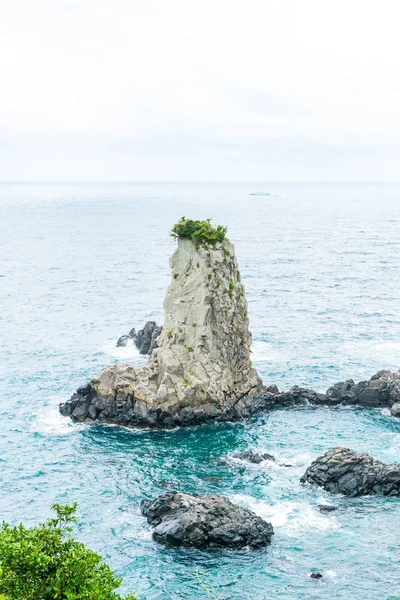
253,457
315,575
204,522
145,340
342,471
327,507
383,389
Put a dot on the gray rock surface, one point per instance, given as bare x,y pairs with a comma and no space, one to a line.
253,457
204,522
383,389
342,471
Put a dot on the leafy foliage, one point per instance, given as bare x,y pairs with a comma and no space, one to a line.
46,563
202,233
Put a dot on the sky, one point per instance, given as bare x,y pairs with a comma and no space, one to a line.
199,90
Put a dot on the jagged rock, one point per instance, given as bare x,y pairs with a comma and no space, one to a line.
145,340
253,457
204,522
342,471
395,410
383,389
123,340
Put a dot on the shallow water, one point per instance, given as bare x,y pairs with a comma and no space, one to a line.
80,265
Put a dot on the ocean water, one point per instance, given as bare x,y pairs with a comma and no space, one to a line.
82,264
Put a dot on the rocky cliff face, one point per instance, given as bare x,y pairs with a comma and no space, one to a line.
202,368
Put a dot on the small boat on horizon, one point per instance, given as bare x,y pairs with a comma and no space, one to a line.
259,193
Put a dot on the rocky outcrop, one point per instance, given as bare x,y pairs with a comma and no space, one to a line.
382,390
342,471
202,368
145,340
204,522
253,457
114,397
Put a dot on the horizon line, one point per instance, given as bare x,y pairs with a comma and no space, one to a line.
186,182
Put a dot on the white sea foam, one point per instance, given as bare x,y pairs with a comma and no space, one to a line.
291,516
263,351
123,353
51,422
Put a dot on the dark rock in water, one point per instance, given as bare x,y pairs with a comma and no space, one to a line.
145,339
123,340
204,522
395,410
383,389
315,575
253,457
342,471
327,507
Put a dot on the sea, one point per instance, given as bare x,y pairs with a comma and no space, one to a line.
81,264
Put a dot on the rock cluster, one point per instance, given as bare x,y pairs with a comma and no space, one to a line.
204,522
342,471
145,340
383,389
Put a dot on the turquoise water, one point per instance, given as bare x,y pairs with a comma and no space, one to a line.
80,265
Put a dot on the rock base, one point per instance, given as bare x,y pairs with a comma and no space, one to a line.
112,398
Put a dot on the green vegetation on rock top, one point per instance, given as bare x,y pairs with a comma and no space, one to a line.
201,233
46,563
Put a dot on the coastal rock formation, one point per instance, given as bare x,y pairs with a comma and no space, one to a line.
253,457
202,368
342,471
145,340
204,522
114,396
383,389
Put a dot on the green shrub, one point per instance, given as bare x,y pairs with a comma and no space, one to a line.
46,563
202,233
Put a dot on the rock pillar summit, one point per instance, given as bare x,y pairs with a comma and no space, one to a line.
202,368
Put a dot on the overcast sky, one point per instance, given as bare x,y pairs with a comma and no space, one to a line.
193,90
